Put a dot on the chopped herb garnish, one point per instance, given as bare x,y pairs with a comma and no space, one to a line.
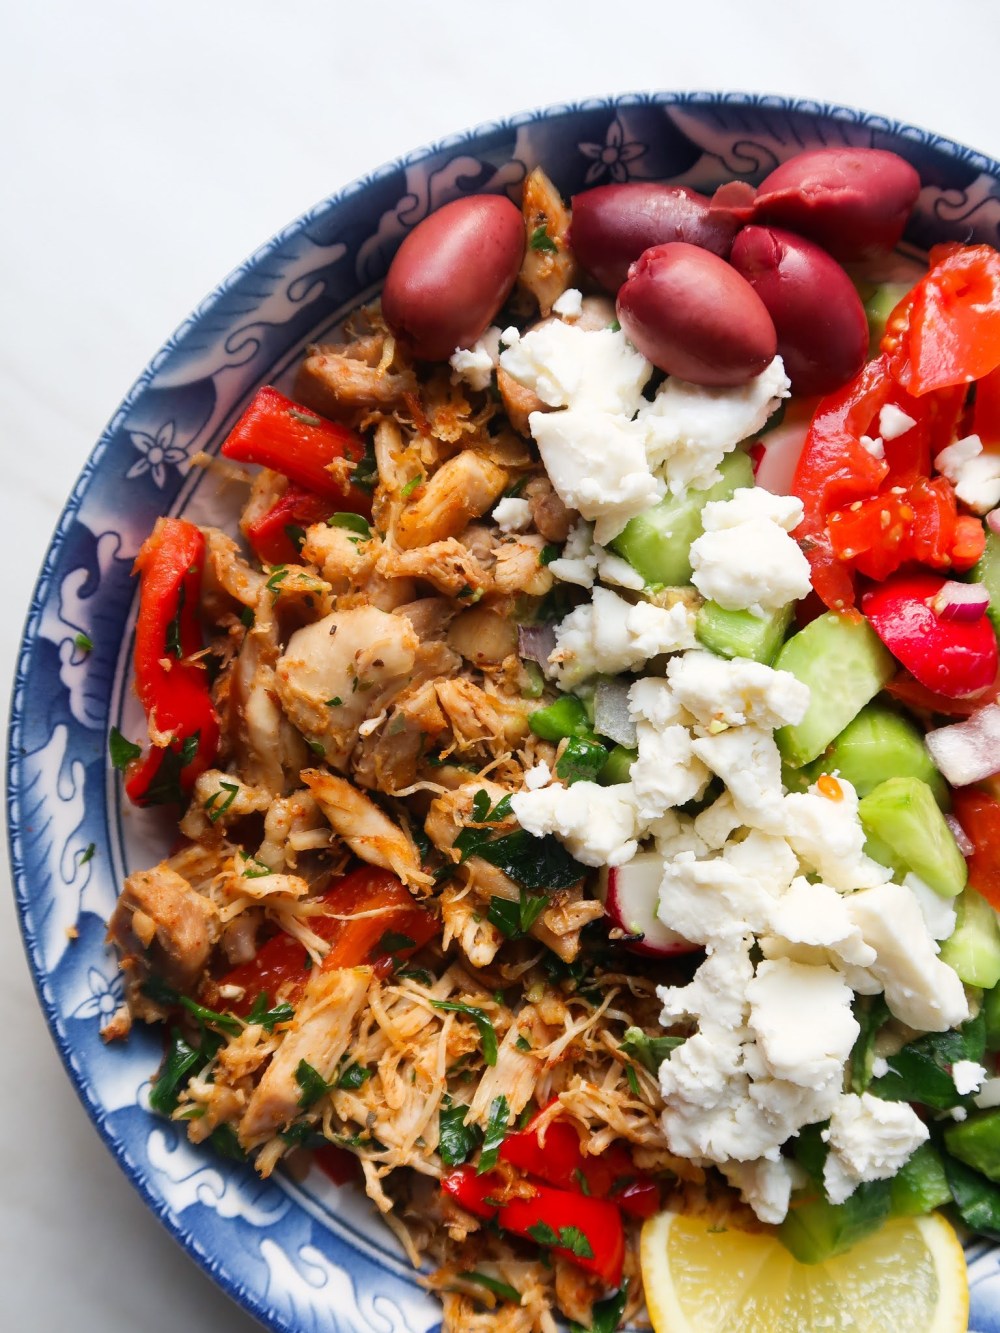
306,418
633,1080
393,941
214,811
648,1051
483,1022
84,642
534,863
365,474
173,635
246,616
354,1076
122,751
166,789
502,1289
541,240
335,702
302,1135
522,1044
295,535
418,974
411,486
574,1240
273,585
548,553
496,1131
88,854
182,1062
615,326
543,1234
457,1141
317,748
582,1180
515,919
353,523
226,1143
313,1084
252,868
606,1315
268,1017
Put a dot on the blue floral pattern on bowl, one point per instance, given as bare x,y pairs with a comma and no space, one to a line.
303,1255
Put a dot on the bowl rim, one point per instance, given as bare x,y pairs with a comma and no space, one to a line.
211,1264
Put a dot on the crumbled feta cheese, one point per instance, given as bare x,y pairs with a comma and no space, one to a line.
920,989
767,859
716,995
893,422
874,445
718,822
745,559
597,465
974,474
968,1076
577,562
569,305
827,834
870,1139
765,1185
597,825
475,364
666,772
736,692
512,515
652,700
880,1066
958,1113
566,366
611,635
802,1021
748,762
816,915
538,776
689,428
711,900
939,913
613,569
675,833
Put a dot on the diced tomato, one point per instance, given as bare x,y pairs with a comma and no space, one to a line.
291,439
979,816
282,964
915,524
272,534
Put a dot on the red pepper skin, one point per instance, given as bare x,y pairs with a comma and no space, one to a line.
946,331
472,1191
596,1219
909,691
281,964
268,533
278,433
986,410
835,469
172,689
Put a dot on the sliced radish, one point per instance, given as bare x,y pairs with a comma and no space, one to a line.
953,657
631,894
779,454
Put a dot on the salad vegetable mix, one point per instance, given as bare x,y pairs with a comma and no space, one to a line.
586,763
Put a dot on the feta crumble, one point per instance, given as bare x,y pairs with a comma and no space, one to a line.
974,474
610,635
512,515
569,305
745,559
968,1076
597,825
736,692
475,365
893,422
870,1139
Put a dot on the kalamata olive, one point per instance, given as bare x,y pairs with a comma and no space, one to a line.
613,224
818,315
852,201
693,315
452,274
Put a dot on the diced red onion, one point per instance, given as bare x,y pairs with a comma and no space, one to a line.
962,839
611,715
968,751
960,601
536,643
993,521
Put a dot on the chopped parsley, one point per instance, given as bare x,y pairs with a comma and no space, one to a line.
165,788
541,240
295,535
335,702
365,474
650,1052
549,552
246,617
313,1084
182,1062
352,522
268,1017
482,1020
317,748
606,1315
496,1132
515,919
411,486
215,811
502,1289
393,941
278,574
522,1044
84,642
122,751
354,1076
457,1141
252,868
533,863
88,854
173,636
566,1238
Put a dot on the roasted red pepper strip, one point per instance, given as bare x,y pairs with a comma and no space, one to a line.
283,435
587,1232
558,1160
946,331
473,1192
836,469
979,816
986,410
170,679
282,964
268,534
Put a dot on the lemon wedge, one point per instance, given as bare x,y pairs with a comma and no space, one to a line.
909,1277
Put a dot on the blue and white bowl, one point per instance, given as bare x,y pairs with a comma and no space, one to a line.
303,1255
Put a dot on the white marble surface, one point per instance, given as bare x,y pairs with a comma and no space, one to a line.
147,147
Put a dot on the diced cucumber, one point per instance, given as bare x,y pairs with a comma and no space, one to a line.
567,716
657,543
973,948
991,1013
845,664
741,634
987,571
920,1185
881,744
816,1230
879,305
618,766
976,1142
903,814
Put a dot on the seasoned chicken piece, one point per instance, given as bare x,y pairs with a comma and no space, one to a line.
513,1076
388,759
217,800
162,928
429,616
337,385
518,402
548,267
463,921
341,669
483,636
470,711
519,567
292,824
367,829
227,572
320,1034
343,558
462,489
267,751
448,565
452,812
